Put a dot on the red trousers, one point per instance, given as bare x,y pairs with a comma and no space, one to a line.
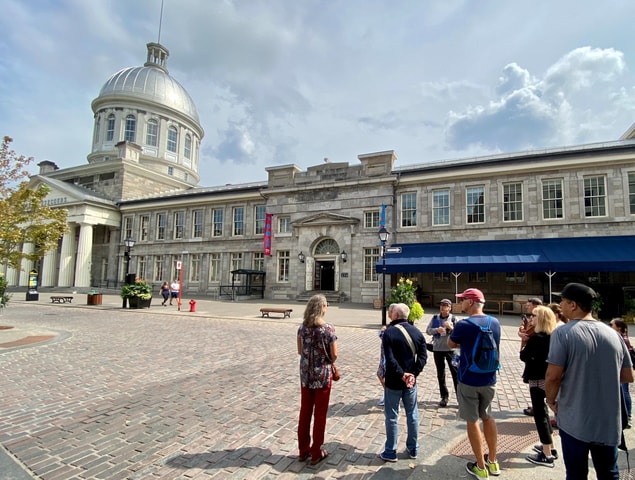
314,403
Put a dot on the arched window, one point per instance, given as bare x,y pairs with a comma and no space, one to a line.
172,139
152,133
188,146
131,127
327,246
110,128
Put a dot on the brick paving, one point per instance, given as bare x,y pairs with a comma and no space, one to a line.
157,393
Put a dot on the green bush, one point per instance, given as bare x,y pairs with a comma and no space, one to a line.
404,292
140,288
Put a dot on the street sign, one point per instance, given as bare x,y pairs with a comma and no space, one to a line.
178,265
393,249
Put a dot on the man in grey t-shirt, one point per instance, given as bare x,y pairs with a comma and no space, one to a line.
587,362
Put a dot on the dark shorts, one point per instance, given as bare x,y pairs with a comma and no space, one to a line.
175,294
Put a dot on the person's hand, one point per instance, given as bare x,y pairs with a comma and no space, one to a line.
440,329
409,379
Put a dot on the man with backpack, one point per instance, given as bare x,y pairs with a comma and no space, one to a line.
479,339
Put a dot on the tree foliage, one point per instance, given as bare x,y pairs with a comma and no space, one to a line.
24,219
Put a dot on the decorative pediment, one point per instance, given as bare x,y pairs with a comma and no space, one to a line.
325,218
64,193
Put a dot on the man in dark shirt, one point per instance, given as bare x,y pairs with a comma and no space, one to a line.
406,355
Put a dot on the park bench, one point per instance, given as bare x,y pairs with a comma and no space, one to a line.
61,299
265,311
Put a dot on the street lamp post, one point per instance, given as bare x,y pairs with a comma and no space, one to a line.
129,243
383,238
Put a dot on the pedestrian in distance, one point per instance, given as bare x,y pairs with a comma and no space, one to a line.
534,354
587,363
174,291
621,327
440,326
165,292
317,347
479,339
406,355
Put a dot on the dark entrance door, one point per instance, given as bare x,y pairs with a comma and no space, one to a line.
324,278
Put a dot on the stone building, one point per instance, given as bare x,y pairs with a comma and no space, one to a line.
322,223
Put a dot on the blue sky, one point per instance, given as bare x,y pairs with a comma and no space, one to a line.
293,82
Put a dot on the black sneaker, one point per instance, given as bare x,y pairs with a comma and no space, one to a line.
541,459
443,402
554,452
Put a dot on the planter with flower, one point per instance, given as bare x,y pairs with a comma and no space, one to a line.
4,296
138,294
404,292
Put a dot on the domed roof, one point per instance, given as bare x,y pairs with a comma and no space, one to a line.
151,82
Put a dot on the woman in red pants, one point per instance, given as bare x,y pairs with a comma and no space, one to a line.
317,348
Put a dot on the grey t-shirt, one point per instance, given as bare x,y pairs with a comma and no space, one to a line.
592,355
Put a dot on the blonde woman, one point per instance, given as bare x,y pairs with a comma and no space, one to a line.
317,347
535,353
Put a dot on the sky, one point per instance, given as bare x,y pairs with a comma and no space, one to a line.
280,82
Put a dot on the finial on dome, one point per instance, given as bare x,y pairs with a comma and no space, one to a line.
157,56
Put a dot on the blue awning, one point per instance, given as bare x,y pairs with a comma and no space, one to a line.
583,254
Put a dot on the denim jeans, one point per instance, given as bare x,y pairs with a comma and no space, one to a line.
576,459
391,414
627,398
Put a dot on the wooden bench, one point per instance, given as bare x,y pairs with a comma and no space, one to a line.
61,299
265,311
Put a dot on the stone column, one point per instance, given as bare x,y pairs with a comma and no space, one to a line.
49,268
67,258
12,276
83,266
26,265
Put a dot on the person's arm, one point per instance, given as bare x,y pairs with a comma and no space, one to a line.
626,375
553,379
333,351
453,344
299,342
430,330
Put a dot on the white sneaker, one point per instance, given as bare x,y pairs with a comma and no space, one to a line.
381,402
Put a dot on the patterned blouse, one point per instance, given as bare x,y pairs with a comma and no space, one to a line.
315,366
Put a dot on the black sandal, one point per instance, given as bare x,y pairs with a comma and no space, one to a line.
323,455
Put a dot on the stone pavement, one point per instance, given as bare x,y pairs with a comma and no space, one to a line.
102,392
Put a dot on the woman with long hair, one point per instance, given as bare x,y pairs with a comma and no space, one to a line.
535,353
621,327
561,319
317,347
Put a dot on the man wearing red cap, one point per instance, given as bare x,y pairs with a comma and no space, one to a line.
476,390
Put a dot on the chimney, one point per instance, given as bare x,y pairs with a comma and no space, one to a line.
46,166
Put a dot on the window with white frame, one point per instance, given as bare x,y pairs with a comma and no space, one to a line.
259,219
371,257
594,196
195,267
371,219
131,128
173,137
110,128
631,192
144,222
441,207
214,267
158,269
475,204
197,224
284,224
152,133
171,171
258,261
179,225
477,277
161,225
236,263
515,277
409,209
552,199
141,266
283,265
512,202
187,151
176,259
217,222
127,228
238,221
441,277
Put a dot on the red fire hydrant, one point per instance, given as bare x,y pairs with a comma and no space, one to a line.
192,305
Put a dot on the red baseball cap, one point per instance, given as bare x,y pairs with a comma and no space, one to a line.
472,294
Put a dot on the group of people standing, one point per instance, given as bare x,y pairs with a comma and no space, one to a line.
169,291
576,366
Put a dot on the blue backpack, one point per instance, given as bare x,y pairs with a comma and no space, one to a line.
485,356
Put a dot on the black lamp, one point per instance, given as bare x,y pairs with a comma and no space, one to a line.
344,256
383,238
301,257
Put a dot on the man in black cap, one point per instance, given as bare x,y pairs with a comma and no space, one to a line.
440,326
587,363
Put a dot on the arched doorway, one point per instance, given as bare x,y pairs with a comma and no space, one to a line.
324,269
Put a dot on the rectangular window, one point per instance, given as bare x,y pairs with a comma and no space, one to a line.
284,224
239,221
142,267
197,224
131,127
441,207
512,202
259,215
409,209
477,277
214,267
161,224
552,199
152,133
475,204
127,228
236,262
179,225
110,128
515,277
631,192
188,146
371,257
283,266
158,269
217,222
371,219
172,139
144,221
441,277
259,261
594,197
195,267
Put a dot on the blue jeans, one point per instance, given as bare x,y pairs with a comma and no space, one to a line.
391,413
576,459
627,399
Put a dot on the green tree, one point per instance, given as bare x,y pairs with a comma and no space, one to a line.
24,218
